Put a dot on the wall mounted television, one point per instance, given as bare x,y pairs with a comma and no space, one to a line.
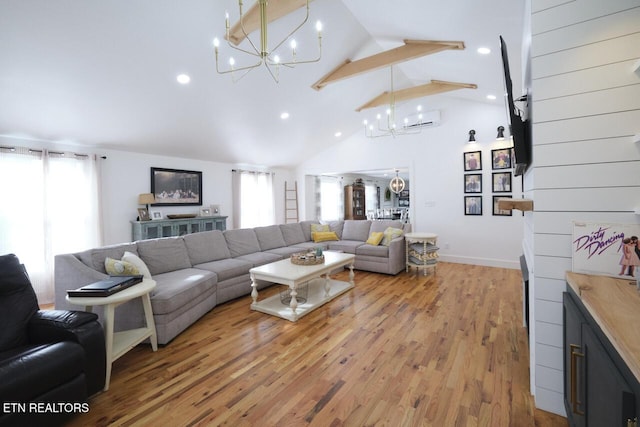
519,125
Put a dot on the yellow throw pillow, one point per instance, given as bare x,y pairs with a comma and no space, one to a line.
324,236
375,238
116,267
389,234
320,227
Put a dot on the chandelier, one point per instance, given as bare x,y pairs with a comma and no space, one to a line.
397,184
388,127
265,56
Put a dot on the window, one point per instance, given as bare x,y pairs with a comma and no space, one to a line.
50,206
253,199
331,199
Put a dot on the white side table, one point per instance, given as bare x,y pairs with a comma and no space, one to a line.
424,256
118,343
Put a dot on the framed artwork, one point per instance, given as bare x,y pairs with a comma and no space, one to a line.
143,214
501,182
472,161
500,212
205,212
501,158
473,183
473,205
155,214
215,209
174,187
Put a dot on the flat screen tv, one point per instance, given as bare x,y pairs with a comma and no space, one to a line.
518,119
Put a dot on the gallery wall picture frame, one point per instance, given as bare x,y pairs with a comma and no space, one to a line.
155,214
473,205
501,182
473,183
501,212
176,187
472,161
501,158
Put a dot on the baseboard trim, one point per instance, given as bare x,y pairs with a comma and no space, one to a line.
487,262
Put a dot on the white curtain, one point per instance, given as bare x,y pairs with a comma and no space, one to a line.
50,205
253,199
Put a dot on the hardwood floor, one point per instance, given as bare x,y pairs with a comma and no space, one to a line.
443,350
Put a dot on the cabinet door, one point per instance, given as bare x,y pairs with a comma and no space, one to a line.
151,231
610,400
574,396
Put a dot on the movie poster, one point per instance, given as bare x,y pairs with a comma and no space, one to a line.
606,249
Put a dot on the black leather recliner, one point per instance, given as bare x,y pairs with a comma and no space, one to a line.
50,360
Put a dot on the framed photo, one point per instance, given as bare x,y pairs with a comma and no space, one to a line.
501,182
473,205
473,183
501,158
215,209
155,214
143,214
500,212
174,187
472,161
205,212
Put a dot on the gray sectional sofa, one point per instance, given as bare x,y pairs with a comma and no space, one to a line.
196,272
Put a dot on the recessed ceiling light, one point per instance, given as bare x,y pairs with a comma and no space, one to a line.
284,116
338,134
183,79
491,97
484,50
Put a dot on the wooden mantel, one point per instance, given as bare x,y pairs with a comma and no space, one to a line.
520,204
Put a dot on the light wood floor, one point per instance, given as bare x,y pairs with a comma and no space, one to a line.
444,350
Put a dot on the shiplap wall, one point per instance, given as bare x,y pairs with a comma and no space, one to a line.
585,111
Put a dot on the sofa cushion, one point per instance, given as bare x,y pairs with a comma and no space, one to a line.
117,267
389,234
269,237
18,302
286,251
179,287
206,246
375,238
94,258
382,225
260,258
337,226
306,228
292,233
323,236
356,230
346,246
241,241
226,268
373,250
163,255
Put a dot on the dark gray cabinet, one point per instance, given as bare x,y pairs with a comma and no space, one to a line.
599,389
142,230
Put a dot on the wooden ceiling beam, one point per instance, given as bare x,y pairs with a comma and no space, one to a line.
410,50
276,9
431,88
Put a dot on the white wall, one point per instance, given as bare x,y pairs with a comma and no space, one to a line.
435,161
126,174
585,110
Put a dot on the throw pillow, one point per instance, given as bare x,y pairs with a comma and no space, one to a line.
140,265
389,234
320,227
116,267
375,238
323,236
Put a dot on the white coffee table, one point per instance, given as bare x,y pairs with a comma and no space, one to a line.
320,289
118,343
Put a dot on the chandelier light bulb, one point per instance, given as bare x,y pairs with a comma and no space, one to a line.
232,61
293,44
318,26
216,43
419,108
388,111
406,121
371,127
365,122
276,59
378,116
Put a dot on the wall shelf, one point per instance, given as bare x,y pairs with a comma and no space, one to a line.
520,204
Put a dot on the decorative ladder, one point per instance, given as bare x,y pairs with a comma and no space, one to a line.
290,203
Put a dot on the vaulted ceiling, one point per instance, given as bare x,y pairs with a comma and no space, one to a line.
103,73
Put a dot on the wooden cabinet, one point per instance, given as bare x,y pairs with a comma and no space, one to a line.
354,202
142,230
599,387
